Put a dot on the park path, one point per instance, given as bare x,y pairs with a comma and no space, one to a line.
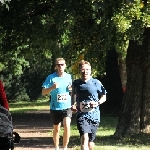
35,129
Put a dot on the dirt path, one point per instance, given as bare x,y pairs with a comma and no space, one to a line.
35,129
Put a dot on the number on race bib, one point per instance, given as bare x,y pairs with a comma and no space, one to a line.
85,107
61,97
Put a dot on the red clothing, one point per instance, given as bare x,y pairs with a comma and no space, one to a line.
3,98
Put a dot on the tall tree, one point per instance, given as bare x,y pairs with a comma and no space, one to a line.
134,115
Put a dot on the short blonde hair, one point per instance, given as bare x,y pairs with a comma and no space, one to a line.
59,59
82,62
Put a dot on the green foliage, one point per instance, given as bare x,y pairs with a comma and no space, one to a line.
130,21
5,3
14,87
1,66
33,33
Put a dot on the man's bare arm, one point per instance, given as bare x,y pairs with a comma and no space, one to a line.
102,99
48,90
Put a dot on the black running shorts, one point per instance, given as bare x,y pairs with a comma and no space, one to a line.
58,115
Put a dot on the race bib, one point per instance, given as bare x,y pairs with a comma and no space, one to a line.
61,97
85,107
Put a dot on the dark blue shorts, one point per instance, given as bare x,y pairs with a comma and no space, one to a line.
58,115
86,125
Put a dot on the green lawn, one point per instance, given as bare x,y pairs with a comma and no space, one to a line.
104,139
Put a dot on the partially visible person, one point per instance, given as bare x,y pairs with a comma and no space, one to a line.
3,97
58,85
86,92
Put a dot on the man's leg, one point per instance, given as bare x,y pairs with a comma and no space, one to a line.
56,135
94,127
91,145
84,142
66,134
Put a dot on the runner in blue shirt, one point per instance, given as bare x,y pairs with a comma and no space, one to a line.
88,94
58,85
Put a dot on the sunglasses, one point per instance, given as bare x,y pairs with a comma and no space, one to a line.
60,64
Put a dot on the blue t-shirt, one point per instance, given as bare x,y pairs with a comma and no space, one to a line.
60,98
86,92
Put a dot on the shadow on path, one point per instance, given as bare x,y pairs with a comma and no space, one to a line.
35,129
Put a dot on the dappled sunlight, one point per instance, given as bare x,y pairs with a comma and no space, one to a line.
35,129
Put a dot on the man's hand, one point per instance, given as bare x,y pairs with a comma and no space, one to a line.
93,104
74,108
69,88
55,85
48,90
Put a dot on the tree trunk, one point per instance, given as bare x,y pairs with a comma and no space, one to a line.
135,115
112,83
123,74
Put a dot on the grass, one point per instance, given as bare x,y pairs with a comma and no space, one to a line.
23,106
104,137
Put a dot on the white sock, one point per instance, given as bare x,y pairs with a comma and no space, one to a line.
64,148
57,148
